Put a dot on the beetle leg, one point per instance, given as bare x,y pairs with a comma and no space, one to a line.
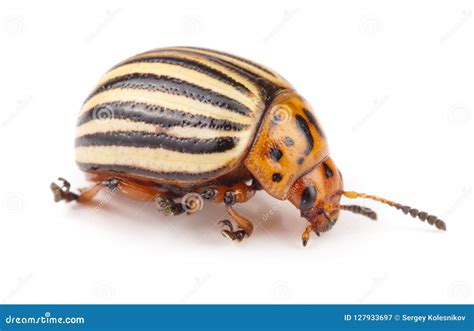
306,233
305,236
244,224
63,192
168,206
226,224
238,235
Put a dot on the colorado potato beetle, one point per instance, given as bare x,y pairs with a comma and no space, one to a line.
182,125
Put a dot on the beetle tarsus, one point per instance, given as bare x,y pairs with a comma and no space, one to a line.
167,206
63,192
226,223
238,235
229,233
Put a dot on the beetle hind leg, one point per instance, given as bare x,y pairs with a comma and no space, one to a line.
62,191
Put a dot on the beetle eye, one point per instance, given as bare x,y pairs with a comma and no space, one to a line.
308,198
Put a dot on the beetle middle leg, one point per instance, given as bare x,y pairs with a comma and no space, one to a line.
244,224
238,193
147,192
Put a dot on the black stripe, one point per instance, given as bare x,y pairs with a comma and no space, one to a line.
190,64
303,126
313,121
91,167
173,86
267,88
156,115
256,65
327,170
158,140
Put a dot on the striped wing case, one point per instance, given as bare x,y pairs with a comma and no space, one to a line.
174,114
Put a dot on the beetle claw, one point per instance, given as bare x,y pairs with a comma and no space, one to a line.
238,235
227,224
62,192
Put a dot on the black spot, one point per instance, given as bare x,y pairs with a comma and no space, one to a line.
304,127
328,170
289,141
275,154
277,177
308,198
301,160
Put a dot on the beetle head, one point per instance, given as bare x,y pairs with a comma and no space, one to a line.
315,194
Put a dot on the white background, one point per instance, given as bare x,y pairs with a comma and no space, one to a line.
392,85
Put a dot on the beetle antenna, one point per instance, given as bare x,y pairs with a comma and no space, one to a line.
356,209
431,219
360,210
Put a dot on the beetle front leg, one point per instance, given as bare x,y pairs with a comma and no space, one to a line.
305,236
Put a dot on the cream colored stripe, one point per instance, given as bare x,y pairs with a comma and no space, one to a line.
275,78
100,126
205,133
155,159
175,102
254,89
188,75
108,125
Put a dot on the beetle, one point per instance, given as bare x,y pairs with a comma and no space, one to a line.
181,125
